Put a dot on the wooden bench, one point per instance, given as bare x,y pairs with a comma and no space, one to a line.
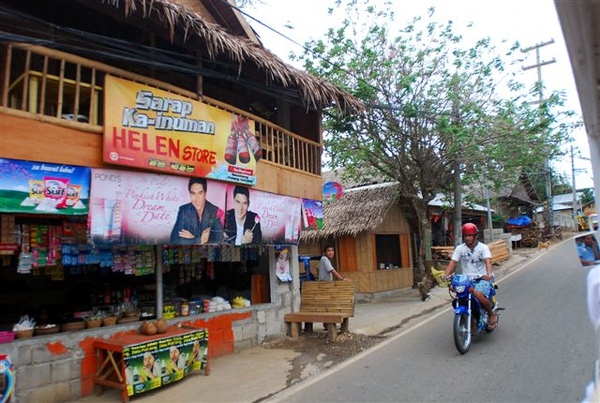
328,302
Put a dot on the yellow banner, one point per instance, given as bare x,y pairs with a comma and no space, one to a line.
154,129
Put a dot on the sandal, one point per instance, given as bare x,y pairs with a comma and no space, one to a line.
492,324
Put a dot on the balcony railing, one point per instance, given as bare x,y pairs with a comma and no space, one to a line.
61,88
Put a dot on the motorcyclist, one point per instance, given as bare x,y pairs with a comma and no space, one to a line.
476,260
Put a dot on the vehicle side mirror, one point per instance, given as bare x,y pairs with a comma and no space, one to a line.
588,250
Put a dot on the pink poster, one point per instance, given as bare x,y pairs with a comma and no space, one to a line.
135,207
279,216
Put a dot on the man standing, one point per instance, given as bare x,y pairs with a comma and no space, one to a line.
241,225
476,260
198,222
326,270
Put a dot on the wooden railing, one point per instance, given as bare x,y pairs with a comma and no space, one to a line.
64,89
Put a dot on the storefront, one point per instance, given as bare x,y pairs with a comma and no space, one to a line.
88,253
76,266
101,101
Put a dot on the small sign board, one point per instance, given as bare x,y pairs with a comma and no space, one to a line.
332,191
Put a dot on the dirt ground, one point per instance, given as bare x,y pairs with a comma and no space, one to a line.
317,354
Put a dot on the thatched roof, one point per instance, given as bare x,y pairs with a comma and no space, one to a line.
358,210
179,20
519,193
340,176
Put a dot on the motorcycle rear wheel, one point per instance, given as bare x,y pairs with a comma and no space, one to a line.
462,335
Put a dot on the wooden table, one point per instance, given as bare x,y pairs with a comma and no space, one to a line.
136,363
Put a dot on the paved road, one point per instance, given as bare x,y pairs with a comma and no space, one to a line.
542,350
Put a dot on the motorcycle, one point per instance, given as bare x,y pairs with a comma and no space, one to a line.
470,318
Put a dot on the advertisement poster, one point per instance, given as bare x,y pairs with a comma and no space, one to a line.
242,221
43,188
282,264
332,191
154,129
280,217
162,361
153,209
312,214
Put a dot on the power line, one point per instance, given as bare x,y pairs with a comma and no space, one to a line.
307,50
548,209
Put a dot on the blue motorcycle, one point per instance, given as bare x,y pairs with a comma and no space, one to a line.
470,318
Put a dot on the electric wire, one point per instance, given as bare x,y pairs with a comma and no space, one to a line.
109,48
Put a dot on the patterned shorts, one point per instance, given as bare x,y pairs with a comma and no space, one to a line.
485,287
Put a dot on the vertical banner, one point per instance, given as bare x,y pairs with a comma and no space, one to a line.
154,129
43,188
144,208
312,214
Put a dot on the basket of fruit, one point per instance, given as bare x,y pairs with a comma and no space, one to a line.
24,334
94,320
109,320
91,323
72,326
24,328
45,330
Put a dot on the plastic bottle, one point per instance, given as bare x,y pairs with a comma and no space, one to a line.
185,309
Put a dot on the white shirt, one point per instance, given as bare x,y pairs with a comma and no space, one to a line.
472,261
325,268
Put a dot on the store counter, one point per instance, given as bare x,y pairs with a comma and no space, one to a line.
136,363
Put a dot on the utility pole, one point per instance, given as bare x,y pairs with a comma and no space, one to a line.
548,213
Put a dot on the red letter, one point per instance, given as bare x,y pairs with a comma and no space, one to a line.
134,141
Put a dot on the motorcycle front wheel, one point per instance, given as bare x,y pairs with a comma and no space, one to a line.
462,335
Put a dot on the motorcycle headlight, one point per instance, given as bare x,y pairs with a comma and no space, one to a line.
459,288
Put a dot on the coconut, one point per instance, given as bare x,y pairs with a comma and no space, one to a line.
143,327
161,325
151,329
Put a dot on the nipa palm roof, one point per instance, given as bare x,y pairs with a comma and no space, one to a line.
358,210
218,42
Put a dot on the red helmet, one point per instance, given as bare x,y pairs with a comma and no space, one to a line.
469,229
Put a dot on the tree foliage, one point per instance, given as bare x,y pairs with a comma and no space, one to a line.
437,106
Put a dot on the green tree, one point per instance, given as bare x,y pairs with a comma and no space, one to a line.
435,110
587,196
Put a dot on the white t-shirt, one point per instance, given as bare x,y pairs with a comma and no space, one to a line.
471,261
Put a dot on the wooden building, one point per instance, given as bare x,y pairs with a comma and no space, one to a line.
57,58
372,236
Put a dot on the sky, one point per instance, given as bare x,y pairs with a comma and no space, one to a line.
529,22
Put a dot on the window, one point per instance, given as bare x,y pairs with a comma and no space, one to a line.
388,251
